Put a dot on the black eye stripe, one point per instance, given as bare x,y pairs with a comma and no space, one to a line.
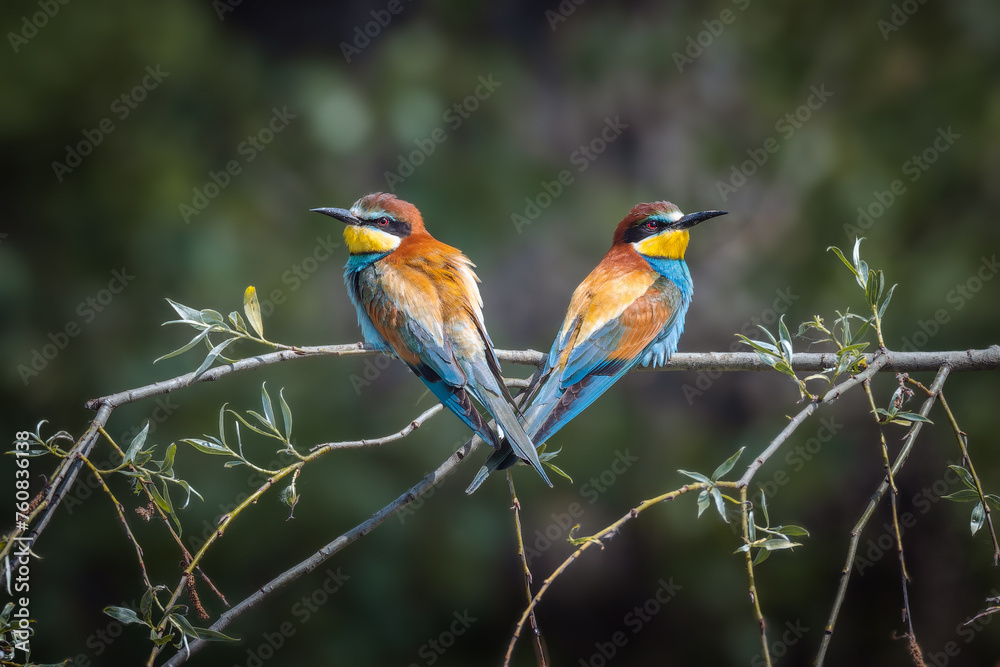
389,225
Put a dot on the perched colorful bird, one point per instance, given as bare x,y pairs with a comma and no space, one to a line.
418,299
628,311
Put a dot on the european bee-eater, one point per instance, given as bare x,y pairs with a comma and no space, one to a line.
628,311
418,299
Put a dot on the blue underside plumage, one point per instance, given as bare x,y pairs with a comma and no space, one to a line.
449,376
589,372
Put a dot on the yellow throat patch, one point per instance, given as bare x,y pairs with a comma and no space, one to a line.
362,240
669,244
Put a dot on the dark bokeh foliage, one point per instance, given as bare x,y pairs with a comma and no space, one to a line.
809,123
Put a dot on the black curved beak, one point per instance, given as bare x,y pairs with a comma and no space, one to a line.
339,213
692,219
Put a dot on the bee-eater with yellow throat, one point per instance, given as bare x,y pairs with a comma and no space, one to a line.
418,299
629,311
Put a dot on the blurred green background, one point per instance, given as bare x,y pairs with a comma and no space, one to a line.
119,121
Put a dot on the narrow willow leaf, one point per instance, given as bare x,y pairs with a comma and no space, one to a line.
777,543
909,417
720,504
762,555
557,470
785,337
123,614
962,496
185,313
751,527
286,414
215,352
137,442
184,348
763,508
704,500
208,446
696,476
238,322
251,306
768,334
965,476
993,500
727,465
978,517
265,400
797,531
212,317
167,465
843,259
211,635
190,490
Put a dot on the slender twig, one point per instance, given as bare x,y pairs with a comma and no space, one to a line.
845,574
893,495
597,539
961,436
754,597
120,509
516,507
878,363
166,520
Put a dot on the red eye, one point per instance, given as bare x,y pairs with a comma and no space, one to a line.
651,224
383,222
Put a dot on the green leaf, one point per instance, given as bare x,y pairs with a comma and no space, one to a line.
965,476
727,465
213,317
213,353
797,531
720,504
760,346
557,470
993,500
751,527
909,417
978,517
189,489
265,400
762,555
962,496
172,513
704,500
785,338
146,605
238,322
181,350
208,446
137,442
167,465
211,635
763,508
251,306
696,476
843,259
784,368
185,313
123,614
777,543
286,414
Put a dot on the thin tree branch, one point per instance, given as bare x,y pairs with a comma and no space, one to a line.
754,596
877,364
67,471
